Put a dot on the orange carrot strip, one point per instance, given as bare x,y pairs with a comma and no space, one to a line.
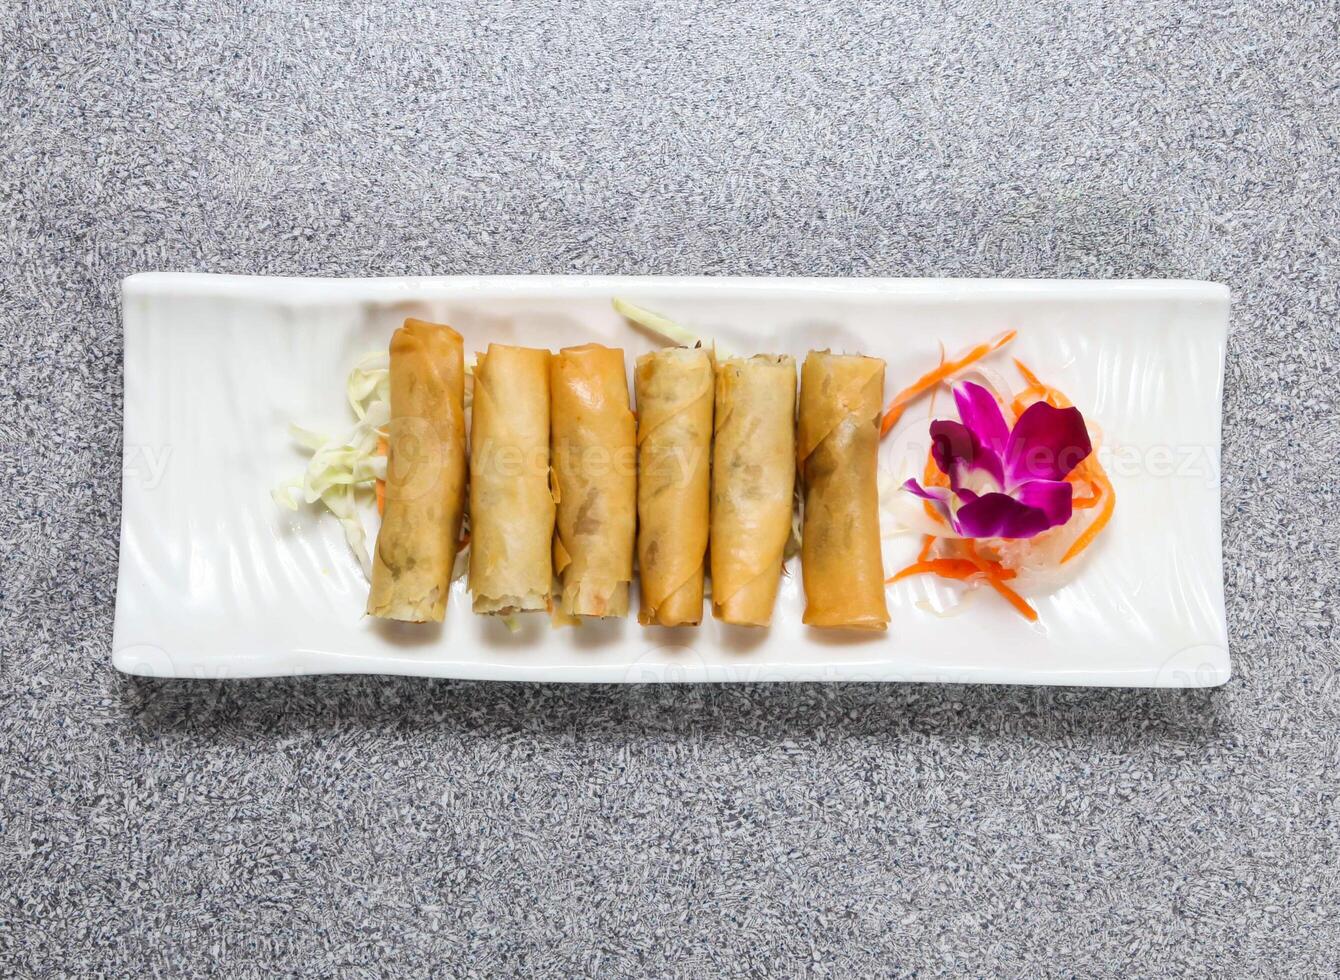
1084,503
1029,376
927,543
932,477
964,568
1086,471
1032,391
1013,598
995,574
936,391
955,568
1052,395
932,378
1094,529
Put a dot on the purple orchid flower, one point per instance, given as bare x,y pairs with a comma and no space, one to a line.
1004,483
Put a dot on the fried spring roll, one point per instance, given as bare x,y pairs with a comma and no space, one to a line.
593,445
753,482
838,435
425,475
674,444
511,503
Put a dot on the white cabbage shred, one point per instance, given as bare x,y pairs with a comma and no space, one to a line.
343,465
664,327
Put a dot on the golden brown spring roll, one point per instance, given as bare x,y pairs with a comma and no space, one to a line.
674,445
838,440
511,503
425,475
753,481
594,456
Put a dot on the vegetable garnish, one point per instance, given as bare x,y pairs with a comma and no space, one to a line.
340,467
1004,482
996,574
1008,483
970,566
959,568
944,372
1108,497
665,328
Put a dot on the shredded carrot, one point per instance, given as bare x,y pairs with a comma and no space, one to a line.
995,577
929,380
1026,397
960,569
956,568
1013,598
927,543
933,477
1052,396
1084,503
1029,376
935,391
1095,528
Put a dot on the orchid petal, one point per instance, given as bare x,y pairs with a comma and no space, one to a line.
1052,497
998,515
938,496
956,449
1046,444
980,413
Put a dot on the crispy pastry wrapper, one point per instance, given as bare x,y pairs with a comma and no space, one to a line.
841,398
511,504
425,475
674,390
753,482
594,457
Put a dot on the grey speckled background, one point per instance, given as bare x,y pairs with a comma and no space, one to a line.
378,825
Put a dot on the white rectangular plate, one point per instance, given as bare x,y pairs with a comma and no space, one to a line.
216,581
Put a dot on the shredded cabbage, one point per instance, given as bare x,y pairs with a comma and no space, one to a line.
664,327
341,466
370,380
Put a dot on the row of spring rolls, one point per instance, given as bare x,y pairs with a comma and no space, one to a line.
566,482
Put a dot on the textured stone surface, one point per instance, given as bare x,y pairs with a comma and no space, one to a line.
373,825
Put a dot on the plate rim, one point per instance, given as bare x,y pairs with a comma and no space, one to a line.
299,289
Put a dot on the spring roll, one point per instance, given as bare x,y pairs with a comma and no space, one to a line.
838,440
593,444
511,503
753,482
425,475
674,444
